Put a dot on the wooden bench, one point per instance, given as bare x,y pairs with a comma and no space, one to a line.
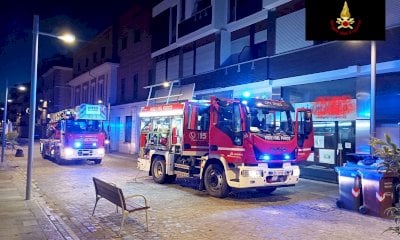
115,195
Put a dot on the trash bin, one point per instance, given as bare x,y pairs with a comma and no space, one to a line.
349,187
366,159
378,190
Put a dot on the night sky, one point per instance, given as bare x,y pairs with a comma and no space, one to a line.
85,18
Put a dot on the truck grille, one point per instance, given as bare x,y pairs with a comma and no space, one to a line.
85,152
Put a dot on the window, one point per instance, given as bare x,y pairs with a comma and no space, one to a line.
87,62
200,5
199,117
103,52
150,80
229,117
230,122
85,94
135,86
160,31
77,96
136,36
239,9
95,57
93,92
128,129
101,90
122,96
173,21
183,7
124,43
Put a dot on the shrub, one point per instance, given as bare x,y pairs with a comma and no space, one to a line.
390,155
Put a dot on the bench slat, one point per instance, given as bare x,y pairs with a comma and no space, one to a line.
109,192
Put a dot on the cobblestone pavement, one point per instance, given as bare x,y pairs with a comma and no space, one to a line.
64,196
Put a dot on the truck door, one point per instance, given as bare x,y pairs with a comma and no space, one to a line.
304,133
226,130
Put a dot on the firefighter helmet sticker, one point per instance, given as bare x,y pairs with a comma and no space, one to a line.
345,25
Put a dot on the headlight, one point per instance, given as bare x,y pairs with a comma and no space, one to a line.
77,144
296,172
101,151
94,144
107,141
68,152
252,173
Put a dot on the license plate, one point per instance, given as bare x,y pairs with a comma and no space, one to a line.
280,173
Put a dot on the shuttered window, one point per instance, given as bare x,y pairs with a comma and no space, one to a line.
188,64
205,58
160,71
290,32
173,68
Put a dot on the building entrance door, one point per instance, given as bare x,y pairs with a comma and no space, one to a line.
332,140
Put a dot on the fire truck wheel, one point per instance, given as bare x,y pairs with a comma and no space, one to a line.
170,178
268,190
97,161
59,160
158,171
215,181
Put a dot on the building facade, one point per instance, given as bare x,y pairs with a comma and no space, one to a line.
134,73
227,47
95,69
53,94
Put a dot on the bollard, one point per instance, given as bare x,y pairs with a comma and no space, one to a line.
19,153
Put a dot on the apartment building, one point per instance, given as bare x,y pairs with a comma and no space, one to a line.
228,47
95,69
135,71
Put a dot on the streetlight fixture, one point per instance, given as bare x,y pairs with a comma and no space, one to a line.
67,38
3,135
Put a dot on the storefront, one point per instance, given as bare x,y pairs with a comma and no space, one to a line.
342,118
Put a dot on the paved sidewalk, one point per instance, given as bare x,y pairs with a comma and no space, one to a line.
20,218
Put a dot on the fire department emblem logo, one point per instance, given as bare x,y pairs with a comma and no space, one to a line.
192,136
345,25
345,20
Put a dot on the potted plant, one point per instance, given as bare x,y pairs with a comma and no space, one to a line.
390,155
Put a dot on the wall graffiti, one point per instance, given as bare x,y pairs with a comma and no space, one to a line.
333,106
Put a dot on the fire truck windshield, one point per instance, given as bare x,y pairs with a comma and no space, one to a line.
83,126
263,120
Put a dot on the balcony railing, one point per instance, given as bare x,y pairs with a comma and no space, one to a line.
198,20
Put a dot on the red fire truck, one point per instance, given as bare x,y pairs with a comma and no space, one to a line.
226,143
75,134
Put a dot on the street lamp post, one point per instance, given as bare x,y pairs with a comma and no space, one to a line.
67,38
373,89
3,137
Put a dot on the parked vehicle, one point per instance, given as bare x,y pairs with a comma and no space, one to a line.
226,143
75,134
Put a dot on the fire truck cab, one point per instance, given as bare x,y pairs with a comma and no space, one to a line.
226,143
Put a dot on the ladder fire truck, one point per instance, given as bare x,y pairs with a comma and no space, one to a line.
75,134
226,143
